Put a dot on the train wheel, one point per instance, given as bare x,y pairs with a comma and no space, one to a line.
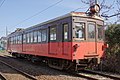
34,59
57,64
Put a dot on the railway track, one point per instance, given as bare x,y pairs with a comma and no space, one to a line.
91,75
94,75
19,71
103,74
2,77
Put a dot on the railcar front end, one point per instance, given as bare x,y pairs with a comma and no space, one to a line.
88,40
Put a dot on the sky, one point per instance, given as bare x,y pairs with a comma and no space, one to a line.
12,12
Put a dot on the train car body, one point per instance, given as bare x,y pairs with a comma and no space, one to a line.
73,40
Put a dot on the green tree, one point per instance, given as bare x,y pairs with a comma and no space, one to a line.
112,60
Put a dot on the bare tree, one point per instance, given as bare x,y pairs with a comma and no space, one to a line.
118,11
106,8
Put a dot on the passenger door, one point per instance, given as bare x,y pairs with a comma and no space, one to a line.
53,45
66,39
100,40
91,44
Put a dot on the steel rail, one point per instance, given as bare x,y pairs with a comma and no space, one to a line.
2,77
85,76
77,74
20,71
104,75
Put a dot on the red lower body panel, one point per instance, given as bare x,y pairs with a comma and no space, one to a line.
64,50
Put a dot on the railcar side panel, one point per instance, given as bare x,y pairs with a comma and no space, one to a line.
36,49
53,48
100,49
67,47
16,48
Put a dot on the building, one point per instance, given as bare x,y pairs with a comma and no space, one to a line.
3,43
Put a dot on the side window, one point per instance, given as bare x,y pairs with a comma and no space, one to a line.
91,31
28,38
17,39
9,40
100,32
80,30
20,37
39,36
24,38
44,35
53,32
65,27
31,37
13,39
35,36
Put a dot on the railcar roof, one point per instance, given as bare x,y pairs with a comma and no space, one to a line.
80,14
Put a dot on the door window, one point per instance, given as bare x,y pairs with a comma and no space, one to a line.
91,31
100,32
52,33
65,27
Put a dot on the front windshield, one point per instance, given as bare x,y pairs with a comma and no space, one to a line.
80,30
91,31
100,32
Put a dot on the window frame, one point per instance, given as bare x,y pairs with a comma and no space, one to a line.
44,35
63,26
39,37
35,36
102,33
27,38
54,34
31,37
80,39
24,38
91,23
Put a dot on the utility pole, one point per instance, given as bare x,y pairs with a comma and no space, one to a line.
6,31
6,43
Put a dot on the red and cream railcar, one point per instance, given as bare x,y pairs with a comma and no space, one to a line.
67,42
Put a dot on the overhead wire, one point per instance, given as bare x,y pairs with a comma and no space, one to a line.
2,3
38,12
79,8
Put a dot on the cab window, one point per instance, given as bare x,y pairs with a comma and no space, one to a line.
80,30
100,32
91,31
